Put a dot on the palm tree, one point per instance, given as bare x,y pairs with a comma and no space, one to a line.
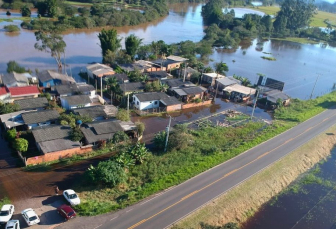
132,44
222,68
113,83
125,160
164,87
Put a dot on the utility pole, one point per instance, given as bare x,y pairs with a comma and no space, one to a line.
216,89
128,104
185,72
101,86
167,134
311,95
254,104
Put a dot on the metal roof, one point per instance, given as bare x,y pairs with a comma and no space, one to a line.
77,99
240,89
52,132
227,81
161,96
57,145
177,58
130,87
176,83
47,75
40,116
32,103
13,77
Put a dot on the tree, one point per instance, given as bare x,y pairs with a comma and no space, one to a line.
222,68
76,134
120,136
296,14
140,126
109,41
113,84
160,139
125,159
20,144
51,6
132,44
25,11
123,115
51,41
13,66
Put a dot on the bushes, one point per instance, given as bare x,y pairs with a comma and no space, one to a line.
108,172
20,144
120,136
123,115
11,28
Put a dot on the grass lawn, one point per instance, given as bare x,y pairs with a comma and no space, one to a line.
317,21
78,3
297,40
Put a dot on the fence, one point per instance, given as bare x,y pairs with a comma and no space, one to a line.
151,111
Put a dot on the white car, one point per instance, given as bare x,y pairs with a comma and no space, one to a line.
30,216
6,213
13,224
71,197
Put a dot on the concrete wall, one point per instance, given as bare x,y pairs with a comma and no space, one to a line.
176,107
58,155
145,105
190,105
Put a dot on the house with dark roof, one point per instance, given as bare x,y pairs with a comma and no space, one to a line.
75,101
40,118
74,89
275,96
104,130
4,95
14,79
97,112
50,78
132,88
159,75
176,83
153,100
188,93
53,138
39,103
140,65
120,77
23,92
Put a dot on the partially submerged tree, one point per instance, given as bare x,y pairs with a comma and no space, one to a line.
109,41
123,115
132,44
25,11
51,41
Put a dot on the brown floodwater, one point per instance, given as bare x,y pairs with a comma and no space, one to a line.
296,64
313,207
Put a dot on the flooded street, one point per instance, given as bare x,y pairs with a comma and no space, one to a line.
308,205
297,65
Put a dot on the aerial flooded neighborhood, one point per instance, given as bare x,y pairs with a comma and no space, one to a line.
155,114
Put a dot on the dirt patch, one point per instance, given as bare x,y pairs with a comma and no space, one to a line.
241,202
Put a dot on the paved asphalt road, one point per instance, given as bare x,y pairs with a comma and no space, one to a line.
167,207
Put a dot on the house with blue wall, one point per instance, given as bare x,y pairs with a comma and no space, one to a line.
50,78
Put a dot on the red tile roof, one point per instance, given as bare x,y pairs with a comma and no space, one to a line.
20,91
3,90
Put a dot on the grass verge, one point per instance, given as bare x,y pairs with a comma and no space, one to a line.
4,201
241,202
297,40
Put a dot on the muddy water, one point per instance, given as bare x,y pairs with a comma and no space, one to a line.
156,124
297,65
312,207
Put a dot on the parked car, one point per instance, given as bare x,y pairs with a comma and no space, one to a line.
66,211
13,224
6,213
30,217
71,197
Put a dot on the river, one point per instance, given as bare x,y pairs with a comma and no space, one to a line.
299,66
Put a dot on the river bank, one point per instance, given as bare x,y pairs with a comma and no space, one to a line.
242,202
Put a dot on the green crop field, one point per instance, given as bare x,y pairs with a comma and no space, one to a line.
317,21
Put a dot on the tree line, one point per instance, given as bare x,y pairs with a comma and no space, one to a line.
292,20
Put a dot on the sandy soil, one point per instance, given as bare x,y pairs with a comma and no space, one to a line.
241,202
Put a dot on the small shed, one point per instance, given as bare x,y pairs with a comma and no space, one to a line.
239,93
75,101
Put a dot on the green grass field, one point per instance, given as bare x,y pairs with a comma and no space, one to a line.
317,21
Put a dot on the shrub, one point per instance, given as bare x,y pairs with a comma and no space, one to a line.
160,139
11,135
76,134
140,128
11,28
25,11
107,172
20,144
120,136
123,115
